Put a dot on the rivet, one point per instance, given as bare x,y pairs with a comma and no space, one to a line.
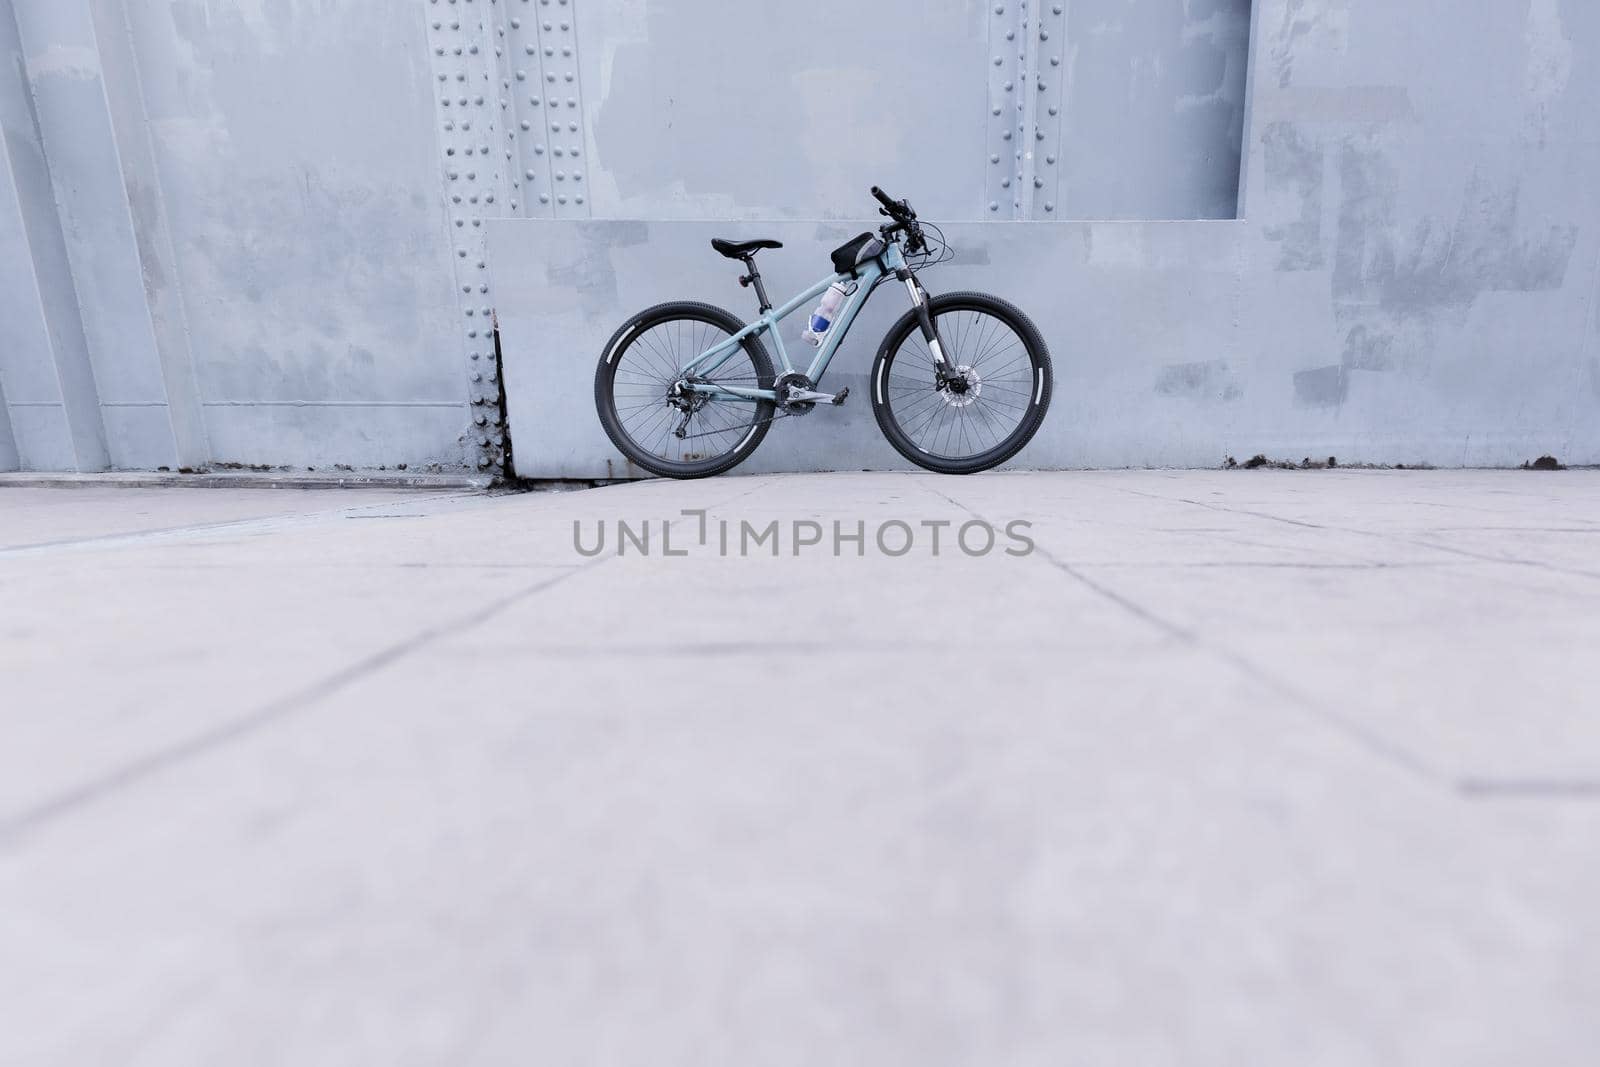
993,206
1049,205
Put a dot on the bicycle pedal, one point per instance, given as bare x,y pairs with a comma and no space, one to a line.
838,398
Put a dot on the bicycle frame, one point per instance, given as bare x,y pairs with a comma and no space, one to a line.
888,263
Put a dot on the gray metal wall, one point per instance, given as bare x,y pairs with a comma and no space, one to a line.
223,239
1413,279
256,233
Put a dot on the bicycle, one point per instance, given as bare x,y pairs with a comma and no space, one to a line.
960,383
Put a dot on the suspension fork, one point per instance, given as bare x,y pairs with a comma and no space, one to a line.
930,332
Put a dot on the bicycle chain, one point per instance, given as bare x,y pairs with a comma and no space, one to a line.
758,422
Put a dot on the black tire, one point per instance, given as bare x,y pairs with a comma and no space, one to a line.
644,354
950,434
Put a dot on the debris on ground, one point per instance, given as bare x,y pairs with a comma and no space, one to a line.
1332,462
1259,460
1545,463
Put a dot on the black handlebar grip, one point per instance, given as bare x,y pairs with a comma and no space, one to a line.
883,198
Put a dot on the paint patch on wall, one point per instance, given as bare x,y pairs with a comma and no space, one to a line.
1322,387
1207,380
1293,172
1486,248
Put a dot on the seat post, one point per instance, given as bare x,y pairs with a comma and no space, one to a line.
755,280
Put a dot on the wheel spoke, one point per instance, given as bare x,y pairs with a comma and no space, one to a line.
643,374
997,403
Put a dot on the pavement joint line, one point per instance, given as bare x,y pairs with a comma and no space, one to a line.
1393,755
1489,788
265,523
17,825
1472,787
1419,542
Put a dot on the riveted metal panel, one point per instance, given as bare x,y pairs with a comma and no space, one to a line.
1007,45
1050,74
478,145
544,91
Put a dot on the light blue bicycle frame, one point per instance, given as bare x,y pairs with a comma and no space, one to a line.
867,276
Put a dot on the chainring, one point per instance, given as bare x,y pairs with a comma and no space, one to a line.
793,380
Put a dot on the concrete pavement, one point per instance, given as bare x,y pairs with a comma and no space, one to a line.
1231,767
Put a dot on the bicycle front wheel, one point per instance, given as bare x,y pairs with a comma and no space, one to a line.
685,435
981,419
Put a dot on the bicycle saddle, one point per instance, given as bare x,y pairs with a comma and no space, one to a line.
741,249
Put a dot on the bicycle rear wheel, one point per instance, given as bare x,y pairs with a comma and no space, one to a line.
985,418
632,394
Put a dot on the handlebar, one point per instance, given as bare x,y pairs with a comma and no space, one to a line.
904,219
895,209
